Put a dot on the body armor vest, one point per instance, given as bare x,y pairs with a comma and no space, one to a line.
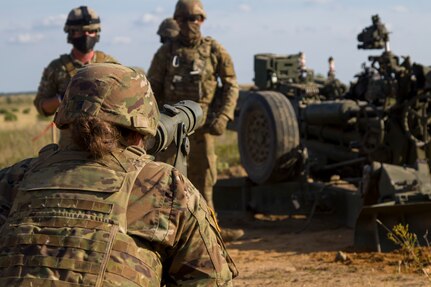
71,69
67,225
190,73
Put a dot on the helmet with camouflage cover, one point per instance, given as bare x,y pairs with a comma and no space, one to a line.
82,18
112,92
186,8
168,28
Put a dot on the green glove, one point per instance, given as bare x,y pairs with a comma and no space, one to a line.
218,126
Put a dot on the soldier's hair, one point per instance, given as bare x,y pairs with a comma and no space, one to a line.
94,135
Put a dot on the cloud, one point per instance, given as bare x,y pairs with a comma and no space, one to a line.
121,40
159,10
305,30
148,18
51,22
26,39
318,2
400,8
244,8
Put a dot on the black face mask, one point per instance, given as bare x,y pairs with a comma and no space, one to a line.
84,44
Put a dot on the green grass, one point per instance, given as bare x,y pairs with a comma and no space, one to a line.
16,145
415,256
19,129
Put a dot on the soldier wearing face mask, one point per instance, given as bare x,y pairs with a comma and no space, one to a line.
83,32
198,68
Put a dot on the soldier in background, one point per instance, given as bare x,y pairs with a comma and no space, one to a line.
168,30
189,68
95,210
83,32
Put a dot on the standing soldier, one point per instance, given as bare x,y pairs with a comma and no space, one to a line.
168,30
95,210
188,68
83,32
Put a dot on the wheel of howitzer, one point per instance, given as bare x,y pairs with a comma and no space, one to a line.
417,119
268,134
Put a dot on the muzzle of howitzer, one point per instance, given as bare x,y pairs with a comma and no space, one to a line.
186,114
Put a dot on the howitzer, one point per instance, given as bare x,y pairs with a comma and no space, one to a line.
176,123
298,144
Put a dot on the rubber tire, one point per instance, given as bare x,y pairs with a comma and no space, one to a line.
264,154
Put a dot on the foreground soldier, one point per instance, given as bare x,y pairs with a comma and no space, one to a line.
96,210
188,68
83,32
168,30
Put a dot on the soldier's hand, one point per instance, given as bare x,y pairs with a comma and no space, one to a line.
218,126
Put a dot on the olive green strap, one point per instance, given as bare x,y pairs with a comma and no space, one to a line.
49,261
16,281
90,205
67,63
107,255
56,241
59,222
70,264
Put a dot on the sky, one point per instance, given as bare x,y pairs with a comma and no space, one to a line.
31,32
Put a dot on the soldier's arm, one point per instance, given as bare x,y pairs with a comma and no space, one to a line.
167,211
47,100
226,73
157,71
198,257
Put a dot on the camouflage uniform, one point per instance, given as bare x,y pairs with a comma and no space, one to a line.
190,71
58,73
122,220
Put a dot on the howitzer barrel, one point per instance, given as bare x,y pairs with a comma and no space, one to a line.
331,113
187,114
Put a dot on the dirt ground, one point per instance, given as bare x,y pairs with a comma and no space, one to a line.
272,253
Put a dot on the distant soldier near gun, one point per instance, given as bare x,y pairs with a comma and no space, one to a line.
83,32
96,210
189,67
168,30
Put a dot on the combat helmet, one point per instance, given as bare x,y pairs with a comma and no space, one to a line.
186,8
112,92
168,28
82,18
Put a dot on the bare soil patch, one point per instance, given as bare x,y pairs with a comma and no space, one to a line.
273,253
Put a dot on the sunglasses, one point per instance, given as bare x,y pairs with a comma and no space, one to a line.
193,18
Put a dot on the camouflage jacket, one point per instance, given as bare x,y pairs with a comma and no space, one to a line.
178,72
58,73
167,221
